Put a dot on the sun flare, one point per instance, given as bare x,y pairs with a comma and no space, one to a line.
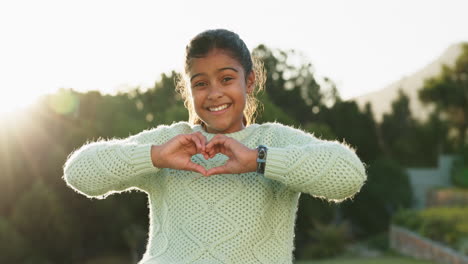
15,101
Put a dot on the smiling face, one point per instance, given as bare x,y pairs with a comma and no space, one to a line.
219,90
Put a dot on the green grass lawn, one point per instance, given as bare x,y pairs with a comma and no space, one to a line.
349,260
377,260
109,260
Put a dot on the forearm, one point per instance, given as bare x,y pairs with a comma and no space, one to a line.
328,169
102,167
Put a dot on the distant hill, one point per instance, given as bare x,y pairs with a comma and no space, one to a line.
381,100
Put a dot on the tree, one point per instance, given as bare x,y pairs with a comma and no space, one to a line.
373,207
12,245
449,93
292,85
354,127
41,218
404,139
397,130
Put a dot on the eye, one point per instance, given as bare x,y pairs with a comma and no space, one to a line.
227,79
199,84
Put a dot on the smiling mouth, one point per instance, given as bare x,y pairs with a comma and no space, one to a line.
218,108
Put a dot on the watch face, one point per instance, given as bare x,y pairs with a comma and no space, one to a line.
261,153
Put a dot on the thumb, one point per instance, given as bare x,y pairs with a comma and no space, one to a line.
191,166
218,170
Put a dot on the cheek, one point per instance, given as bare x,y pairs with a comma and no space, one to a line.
197,99
243,96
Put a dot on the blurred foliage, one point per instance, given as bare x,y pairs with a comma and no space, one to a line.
387,190
404,138
311,210
290,82
356,128
447,196
39,216
12,243
449,93
444,224
109,260
328,240
36,207
379,242
460,168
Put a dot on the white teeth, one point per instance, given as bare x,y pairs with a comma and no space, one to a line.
219,108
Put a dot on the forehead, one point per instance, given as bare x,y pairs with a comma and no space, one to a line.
212,62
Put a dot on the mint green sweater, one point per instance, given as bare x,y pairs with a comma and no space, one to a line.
230,218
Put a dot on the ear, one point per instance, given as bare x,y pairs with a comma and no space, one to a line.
250,82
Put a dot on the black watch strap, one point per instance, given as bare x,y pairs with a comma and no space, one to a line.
261,159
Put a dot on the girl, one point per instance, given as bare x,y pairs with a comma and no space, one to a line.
221,189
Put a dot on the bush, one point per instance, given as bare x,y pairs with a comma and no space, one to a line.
407,218
329,240
42,219
311,210
447,197
12,244
447,225
386,191
379,242
117,259
460,169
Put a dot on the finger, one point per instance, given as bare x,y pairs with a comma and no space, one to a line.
217,145
195,140
216,140
206,155
210,151
200,144
196,168
218,170
213,151
202,140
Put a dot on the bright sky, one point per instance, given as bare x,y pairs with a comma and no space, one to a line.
362,45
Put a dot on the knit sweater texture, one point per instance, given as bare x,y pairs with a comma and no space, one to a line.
230,218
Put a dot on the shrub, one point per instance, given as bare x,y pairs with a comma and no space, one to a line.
311,210
447,197
386,191
460,169
447,225
379,242
407,218
328,240
117,259
42,219
12,244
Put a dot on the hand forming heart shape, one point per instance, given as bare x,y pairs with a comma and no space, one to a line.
178,151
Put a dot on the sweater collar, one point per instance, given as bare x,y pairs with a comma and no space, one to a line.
239,135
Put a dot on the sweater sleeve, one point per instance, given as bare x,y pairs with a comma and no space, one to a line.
101,168
325,169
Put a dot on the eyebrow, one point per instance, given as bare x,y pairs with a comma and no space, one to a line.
219,70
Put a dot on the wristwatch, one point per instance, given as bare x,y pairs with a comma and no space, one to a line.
261,158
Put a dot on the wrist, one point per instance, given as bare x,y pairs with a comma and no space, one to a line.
156,157
252,160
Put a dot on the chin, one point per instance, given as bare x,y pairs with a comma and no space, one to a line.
215,130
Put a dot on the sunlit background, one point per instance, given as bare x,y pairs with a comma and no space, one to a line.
73,72
116,45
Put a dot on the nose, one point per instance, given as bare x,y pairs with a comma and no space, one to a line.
215,92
